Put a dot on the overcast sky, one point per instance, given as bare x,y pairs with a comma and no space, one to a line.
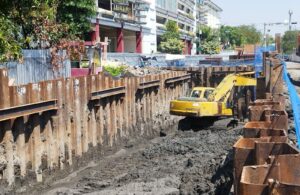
257,12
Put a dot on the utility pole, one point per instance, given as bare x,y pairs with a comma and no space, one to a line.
290,19
265,35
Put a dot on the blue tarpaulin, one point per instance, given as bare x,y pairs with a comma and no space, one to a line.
295,100
258,62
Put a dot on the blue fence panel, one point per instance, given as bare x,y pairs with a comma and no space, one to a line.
295,100
258,62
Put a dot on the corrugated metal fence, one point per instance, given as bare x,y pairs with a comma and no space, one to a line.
36,66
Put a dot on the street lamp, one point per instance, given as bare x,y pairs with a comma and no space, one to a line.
271,24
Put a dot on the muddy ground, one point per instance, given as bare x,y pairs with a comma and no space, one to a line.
178,162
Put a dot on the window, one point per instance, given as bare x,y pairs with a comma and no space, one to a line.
160,20
161,3
170,5
181,26
180,6
207,93
196,94
104,4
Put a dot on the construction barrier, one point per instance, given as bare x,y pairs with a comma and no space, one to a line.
295,101
259,57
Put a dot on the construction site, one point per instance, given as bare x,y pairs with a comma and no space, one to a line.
189,130
154,97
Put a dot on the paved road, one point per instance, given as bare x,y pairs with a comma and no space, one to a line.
293,69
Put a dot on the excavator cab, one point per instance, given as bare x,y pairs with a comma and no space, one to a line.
201,92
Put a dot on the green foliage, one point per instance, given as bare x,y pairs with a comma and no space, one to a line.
172,46
210,43
172,31
231,36
76,14
238,36
9,47
171,42
115,70
289,41
45,23
250,35
210,47
209,34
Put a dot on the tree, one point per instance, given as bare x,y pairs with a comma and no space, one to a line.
9,47
171,42
43,23
210,41
289,41
250,35
231,36
172,31
173,46
76,14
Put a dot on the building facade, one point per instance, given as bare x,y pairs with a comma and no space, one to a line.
208,13
135,26
181,11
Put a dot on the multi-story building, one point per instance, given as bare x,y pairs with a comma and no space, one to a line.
181,11
208,13
128,24
135,26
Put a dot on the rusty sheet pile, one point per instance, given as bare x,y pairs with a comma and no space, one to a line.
265,160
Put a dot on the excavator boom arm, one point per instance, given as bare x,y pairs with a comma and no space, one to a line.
221,93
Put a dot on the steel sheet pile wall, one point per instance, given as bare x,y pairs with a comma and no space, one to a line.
47,125
211,76
265,161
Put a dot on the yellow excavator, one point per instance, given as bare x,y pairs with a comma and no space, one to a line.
211,102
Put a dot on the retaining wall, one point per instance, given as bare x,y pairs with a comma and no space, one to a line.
49,125
52,125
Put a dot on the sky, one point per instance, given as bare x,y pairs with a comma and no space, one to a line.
257,12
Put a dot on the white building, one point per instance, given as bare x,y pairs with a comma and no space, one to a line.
209,13
135,26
